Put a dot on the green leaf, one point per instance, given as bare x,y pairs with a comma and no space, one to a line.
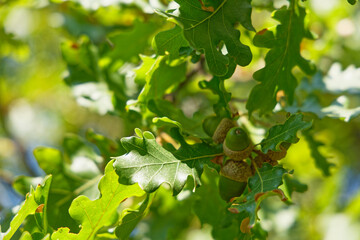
217,86
284,133
132,217
263,184
293,185
81,154
206,28
142,70
85,76
164,108
283,56
82,61
166,122
127,45
213,211
75,172
169,42
161,77
187,151
352,2
35,236
320,161
22,184
195,155
25,236
102,212
107,147
258,233
150,165
35,201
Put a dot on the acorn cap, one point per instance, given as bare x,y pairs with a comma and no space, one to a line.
224,126
236,170
238,155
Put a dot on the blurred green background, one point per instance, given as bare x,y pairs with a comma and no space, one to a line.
38,108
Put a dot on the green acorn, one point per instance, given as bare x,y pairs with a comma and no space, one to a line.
237,145
210,124
229,188
233,179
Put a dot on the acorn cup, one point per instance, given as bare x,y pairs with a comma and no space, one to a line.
233,179
237,145
222,129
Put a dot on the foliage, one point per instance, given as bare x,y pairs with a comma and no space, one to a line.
148,73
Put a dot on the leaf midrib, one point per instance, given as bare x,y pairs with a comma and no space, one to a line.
208,17
304,124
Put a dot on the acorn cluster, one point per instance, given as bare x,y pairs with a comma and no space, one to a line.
238,147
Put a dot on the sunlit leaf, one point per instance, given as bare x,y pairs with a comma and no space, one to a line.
170,42
150,165
160,78
36,200
93,215
73,173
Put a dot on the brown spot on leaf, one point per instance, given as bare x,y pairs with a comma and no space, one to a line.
74,46
218,160
244,226
233,210
232,199
281,193
205,8
262,31
258,195
40,208
208,9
